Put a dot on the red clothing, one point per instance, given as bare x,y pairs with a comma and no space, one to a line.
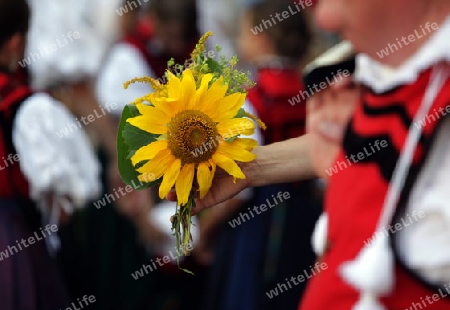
355,195
270,97
29,277
12,94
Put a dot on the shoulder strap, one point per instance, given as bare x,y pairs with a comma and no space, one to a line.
12,94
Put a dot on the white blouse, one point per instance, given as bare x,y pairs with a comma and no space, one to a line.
124,62
53,160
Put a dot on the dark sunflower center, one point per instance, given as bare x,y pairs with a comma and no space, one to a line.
192,136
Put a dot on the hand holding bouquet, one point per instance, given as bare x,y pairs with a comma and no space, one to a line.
178,134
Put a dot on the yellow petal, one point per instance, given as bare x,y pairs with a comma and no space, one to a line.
183,185
228,165
167,105
149,151
188,96
168,101
235,152
173,86
146,109
227,107
235,126
202,93
157,166
216,92
152,120
246,143
170,176
205,177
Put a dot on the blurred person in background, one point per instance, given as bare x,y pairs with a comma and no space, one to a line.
278,53
256,254
222,18
150,36
45,182
400,91
101,246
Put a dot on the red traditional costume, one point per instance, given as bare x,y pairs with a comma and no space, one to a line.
377,136
270,97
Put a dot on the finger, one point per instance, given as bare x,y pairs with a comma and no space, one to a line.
172,196
343,83
331,131
314,103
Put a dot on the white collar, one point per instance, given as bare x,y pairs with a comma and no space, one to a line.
382,78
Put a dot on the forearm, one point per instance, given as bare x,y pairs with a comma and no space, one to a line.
281,162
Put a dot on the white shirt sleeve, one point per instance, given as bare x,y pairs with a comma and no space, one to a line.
124,63
424,240
55,154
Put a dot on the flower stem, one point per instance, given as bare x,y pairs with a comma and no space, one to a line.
181,227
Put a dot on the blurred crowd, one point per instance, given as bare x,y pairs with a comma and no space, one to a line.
72,61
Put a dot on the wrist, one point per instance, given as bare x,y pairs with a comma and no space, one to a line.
252,170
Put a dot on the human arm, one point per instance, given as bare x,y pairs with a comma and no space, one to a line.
328,114
55,155
280,162
298,158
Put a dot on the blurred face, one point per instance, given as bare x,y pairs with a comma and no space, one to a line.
251,47
12,51
170,34
380,20
245,38
128,22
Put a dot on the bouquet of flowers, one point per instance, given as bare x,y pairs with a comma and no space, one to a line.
179,133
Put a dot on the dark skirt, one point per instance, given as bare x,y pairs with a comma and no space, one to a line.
252,258
29,279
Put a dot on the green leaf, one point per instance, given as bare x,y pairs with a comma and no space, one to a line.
214,67
130,139
241,113
136,138
232,138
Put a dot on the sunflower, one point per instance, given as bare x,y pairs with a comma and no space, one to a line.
198,129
